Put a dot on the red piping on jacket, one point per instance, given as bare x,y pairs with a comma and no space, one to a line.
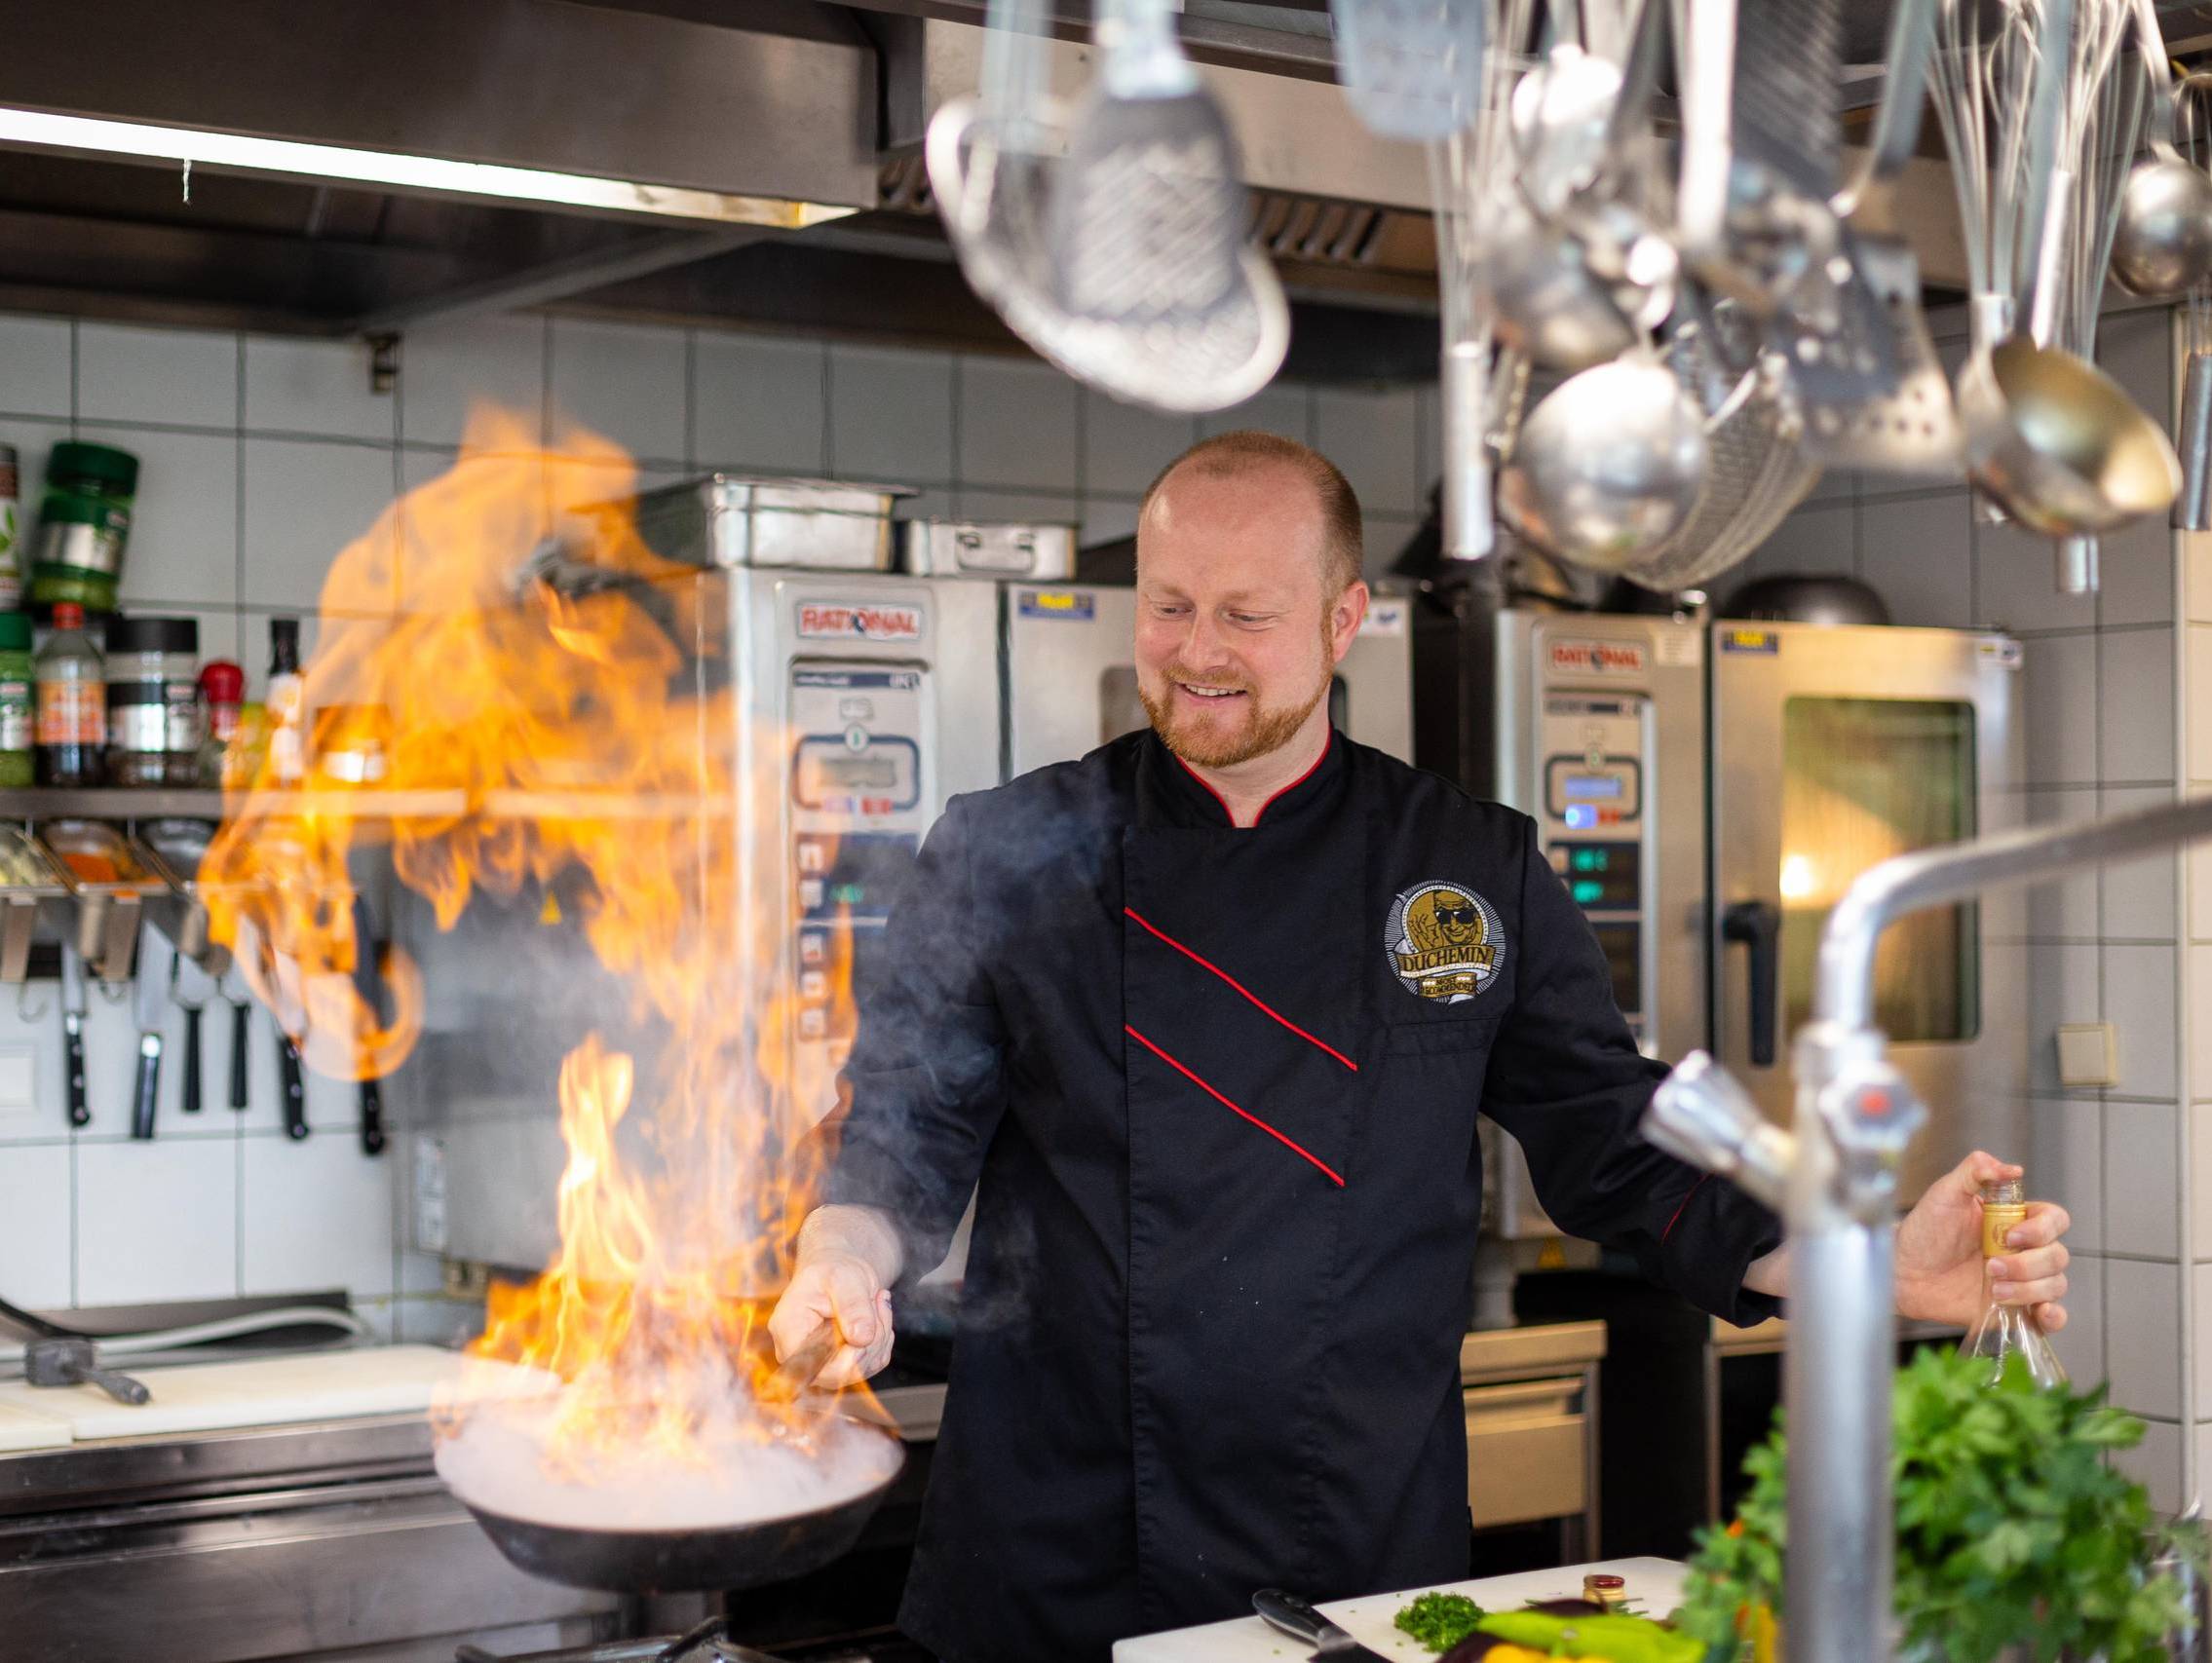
1328,738
1206,963
1677,1219
1227,1104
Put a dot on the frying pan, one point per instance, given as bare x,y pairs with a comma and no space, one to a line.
695,1560
684,1561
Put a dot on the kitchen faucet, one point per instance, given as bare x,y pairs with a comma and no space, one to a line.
1833,1177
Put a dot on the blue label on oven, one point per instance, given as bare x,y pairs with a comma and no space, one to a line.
1750,641
1071,604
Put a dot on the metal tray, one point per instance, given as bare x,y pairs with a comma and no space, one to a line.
107,907
27,880
728,520
173,849
999,549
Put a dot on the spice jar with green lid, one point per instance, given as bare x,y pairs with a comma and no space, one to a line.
19,700
84,520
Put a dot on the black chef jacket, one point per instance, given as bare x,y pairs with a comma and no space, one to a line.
1220,1088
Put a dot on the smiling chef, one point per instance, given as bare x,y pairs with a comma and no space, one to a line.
1209,1015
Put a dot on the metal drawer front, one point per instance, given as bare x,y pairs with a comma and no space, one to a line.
1525,1452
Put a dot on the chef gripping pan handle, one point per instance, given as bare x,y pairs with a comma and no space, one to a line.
1758,926
1299,1619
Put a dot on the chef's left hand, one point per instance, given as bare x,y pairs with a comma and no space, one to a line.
1940,1274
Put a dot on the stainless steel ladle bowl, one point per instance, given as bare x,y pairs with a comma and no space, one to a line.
2059,443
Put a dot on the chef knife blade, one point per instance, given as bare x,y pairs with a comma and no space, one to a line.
148,991
73,1031
1298,1619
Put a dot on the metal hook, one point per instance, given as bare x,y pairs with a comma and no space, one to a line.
23,1010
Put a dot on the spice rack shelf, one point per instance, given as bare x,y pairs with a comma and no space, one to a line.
148,802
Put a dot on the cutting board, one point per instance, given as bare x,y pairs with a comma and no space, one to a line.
263,1392
29,1429
1655,1588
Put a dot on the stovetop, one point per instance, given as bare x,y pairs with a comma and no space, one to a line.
711,1643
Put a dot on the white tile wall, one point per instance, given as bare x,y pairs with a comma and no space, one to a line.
144,376
622,382
2141,1214
314,386
38,379
37,1224
1018,426
760,404
2142,1337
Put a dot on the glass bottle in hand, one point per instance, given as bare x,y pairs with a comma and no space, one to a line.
2008,1331
72,703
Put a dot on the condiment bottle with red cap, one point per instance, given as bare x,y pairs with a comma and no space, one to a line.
222,688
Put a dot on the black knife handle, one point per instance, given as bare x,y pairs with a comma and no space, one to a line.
371,1117
240,1024
1297,1618
294,1090
73,1049
149,1088
192,1059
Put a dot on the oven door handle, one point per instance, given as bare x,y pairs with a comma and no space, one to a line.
1758,926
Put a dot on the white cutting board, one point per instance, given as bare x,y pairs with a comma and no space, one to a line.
27,1429
1655,1588
265,1391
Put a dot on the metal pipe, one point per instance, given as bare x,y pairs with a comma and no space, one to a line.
1845,991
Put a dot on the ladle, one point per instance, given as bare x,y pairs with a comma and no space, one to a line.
1608,463
2052,439
2163,244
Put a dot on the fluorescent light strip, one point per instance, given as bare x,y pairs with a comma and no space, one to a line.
482,179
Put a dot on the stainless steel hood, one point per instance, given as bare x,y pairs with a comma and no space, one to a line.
777,112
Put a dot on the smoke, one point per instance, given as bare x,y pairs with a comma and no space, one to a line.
731,1475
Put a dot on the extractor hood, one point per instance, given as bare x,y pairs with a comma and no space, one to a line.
790,126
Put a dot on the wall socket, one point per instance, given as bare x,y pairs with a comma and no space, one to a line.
2089,1054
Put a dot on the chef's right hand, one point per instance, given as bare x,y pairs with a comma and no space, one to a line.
848,1255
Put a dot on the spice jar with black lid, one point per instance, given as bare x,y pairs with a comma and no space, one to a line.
154,718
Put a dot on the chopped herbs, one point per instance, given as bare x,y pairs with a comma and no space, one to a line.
1440,1621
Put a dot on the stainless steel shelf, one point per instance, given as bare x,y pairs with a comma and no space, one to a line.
108,803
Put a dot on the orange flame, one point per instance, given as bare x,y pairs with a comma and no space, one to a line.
546,743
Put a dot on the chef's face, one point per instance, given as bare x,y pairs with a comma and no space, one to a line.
1237,630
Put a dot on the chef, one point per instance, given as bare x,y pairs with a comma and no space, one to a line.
1207,1015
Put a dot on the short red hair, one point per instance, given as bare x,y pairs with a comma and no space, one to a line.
1226,455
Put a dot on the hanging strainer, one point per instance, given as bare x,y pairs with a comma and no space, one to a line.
992,165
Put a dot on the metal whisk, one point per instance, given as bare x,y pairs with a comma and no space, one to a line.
2192,509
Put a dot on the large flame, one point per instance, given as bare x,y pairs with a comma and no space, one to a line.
545,748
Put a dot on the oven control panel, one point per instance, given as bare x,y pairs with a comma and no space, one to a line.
1593,756
859,805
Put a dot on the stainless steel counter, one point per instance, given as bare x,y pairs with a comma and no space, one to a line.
274,1542
1532,1429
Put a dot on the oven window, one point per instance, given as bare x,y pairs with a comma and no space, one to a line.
1864,779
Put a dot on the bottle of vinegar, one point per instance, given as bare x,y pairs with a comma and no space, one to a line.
2006,1331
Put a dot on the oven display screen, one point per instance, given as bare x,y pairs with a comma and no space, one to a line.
1592,787
863,772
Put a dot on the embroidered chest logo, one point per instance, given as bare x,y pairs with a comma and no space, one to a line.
1444,942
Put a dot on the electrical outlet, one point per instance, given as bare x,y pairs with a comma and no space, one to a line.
2089,1054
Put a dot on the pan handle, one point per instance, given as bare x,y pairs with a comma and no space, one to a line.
797,1372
